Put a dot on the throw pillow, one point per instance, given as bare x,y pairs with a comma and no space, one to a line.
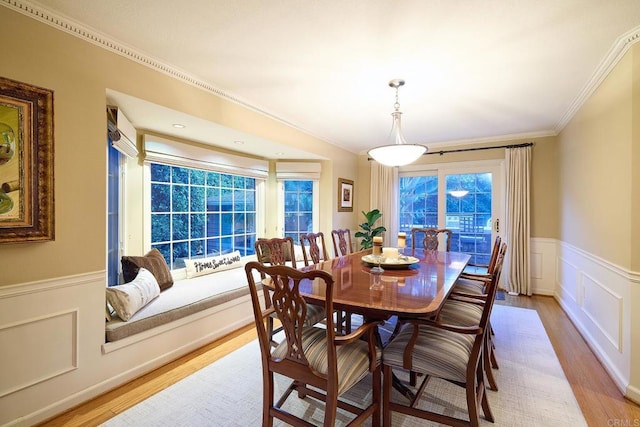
152,261
129,298
201,266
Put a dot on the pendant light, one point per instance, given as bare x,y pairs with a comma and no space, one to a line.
397,152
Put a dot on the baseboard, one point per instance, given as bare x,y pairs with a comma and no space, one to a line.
633,394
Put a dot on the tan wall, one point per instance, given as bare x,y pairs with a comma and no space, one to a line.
79,73
595,171
599,177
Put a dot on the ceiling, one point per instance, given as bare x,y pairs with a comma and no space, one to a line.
474,70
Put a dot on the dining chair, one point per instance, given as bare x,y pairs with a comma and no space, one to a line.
321,364
341,241
439,350
280,251
430,238
464,309
476,268
474,283
342,246
314,248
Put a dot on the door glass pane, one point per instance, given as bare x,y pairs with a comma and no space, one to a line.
418,203
468,214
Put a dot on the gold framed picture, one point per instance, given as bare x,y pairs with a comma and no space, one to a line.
26,163
345,195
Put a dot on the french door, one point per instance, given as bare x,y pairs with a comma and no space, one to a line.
465,198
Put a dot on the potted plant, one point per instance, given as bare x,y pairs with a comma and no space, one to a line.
368,230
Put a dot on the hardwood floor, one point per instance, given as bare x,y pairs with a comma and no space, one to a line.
601,402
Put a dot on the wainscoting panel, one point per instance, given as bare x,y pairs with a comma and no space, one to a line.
604,309
543,270
596,295
567,280
55,335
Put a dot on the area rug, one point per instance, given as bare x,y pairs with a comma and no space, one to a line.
533,390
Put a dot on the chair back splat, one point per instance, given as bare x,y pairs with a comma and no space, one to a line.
430,240
275,251
341,242
314,248
308,355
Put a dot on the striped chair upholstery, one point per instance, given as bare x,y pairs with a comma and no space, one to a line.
320,363
353,360
448,351
438,352
468,286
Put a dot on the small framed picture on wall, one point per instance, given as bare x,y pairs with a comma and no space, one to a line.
345,195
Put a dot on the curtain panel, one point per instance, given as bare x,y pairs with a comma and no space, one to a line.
384,196
518,223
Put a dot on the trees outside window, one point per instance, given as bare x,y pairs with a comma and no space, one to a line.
298,208
197,213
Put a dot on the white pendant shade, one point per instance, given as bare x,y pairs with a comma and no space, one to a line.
397,152
397,155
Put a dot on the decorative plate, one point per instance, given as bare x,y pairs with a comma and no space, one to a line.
391,263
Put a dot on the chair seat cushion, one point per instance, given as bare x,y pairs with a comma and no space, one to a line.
437,352
468,286
460,313
352,359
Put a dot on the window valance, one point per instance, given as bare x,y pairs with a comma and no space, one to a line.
298,170
161,150
122,133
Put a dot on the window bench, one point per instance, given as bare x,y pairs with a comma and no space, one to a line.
185,298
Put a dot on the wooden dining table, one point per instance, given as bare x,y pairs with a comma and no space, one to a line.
415,290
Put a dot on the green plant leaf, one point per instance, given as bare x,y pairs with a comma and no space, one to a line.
368,231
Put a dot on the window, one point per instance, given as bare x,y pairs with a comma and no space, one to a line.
298,198
113,216
121,146
197,213
298,208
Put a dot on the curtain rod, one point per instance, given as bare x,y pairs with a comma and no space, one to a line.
460,150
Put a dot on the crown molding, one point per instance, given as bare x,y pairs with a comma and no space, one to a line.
93,36
620,47
611,59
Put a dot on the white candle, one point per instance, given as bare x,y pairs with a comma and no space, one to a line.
402,239
377,245
390,253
